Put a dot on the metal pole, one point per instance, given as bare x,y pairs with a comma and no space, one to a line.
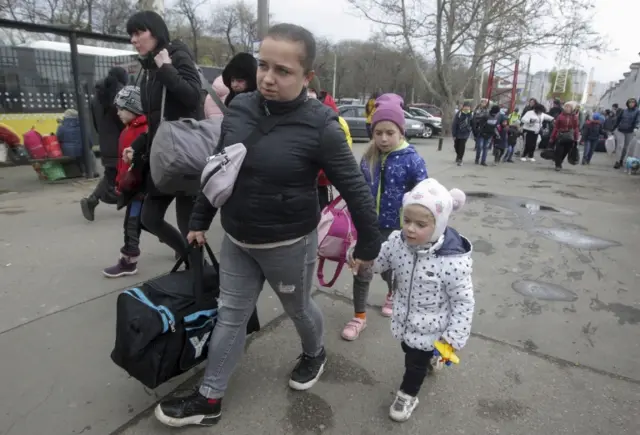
335,73
440,144
82,109
263,18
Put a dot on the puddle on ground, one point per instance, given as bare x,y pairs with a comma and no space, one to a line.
515,202
626,314
576,239
545,291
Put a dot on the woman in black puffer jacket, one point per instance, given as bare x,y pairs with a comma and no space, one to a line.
271,217
167,64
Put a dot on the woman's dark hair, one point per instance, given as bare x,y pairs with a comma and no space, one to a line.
539,108
295,33
151,21
107,90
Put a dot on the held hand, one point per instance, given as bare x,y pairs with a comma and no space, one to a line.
162,58
197,237
358,265
127,155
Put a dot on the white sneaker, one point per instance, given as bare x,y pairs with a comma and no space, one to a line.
523,159
532,159
402,407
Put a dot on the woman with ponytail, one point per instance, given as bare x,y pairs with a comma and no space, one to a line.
105,120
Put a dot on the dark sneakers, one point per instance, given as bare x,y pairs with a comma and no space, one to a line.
88,206
307,372
126,266
193,410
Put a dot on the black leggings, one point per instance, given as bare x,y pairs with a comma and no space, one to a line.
530,142
153,213
459,144
417,364
562,150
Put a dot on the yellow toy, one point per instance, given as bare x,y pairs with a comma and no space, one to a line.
445,353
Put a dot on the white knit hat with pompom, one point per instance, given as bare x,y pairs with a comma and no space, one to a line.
438,200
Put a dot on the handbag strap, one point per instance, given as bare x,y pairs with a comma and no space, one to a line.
162,102
207,87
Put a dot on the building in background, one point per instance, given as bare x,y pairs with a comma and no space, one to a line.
627,87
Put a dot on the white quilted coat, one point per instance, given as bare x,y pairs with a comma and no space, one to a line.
434,293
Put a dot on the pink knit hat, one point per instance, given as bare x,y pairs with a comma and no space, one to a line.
389,108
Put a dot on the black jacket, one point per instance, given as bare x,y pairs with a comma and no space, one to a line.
275,197
108,127
183,100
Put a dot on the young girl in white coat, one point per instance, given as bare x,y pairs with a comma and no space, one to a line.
433,300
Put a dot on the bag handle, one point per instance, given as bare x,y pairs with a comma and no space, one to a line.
333,205
336,274
184,259
207,87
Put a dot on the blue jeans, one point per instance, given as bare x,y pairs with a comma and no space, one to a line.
509,154
482,146
589,148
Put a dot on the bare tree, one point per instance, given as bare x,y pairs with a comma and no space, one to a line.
237,23
472,32
188,10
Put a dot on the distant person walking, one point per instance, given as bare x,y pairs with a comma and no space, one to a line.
369,110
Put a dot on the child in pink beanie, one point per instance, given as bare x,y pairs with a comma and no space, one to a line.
433,299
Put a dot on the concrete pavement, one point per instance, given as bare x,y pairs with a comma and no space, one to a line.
556,325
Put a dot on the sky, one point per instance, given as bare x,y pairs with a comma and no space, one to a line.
616,20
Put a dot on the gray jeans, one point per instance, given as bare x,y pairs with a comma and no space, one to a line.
622,145
362,281
289,271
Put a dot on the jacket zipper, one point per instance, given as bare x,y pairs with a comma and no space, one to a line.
406,318
222,166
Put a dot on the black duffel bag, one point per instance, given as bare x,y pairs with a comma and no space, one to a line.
164,326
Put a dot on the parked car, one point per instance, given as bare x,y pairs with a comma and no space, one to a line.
354,114
432,109
432,124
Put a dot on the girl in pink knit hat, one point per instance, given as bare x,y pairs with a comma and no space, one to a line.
433,298
391,168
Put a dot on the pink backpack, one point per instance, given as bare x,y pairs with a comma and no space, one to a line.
336,234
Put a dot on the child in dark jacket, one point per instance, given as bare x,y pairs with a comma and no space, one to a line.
129,108
512,140
592,131
461,130
501,140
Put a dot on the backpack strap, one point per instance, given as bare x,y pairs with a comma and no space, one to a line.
336,274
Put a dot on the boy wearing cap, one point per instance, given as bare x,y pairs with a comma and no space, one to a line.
130,112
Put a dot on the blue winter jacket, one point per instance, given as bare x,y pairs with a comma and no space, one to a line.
400,170
462,125
70,137
629,120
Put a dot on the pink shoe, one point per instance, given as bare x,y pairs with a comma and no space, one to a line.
387,308
353,329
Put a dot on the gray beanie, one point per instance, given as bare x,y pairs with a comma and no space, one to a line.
128,98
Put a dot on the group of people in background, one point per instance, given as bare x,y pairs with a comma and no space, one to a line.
561,128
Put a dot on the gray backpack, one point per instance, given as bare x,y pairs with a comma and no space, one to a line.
181,148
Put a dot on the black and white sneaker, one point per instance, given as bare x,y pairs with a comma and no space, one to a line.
193,410
307,372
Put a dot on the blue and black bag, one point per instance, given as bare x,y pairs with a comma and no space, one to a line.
164,326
